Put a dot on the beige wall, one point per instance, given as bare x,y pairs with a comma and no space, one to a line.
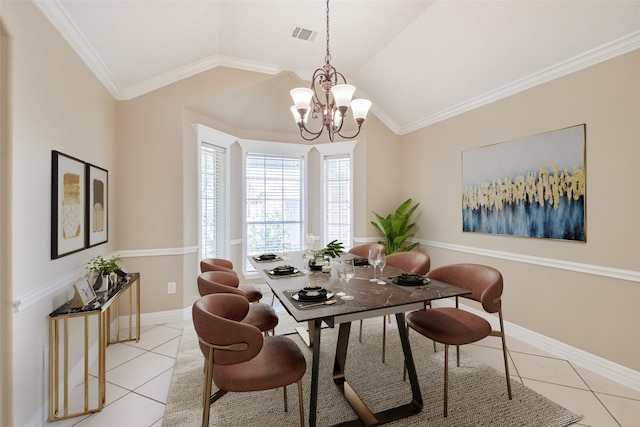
149,148
593,313
55,103
5,244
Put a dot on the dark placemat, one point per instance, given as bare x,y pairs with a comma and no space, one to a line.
276,259
299,273
298,304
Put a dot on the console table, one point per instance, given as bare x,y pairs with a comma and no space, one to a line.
96,319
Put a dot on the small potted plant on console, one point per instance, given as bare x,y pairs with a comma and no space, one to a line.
105,270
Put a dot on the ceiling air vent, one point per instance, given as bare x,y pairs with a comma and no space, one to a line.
303,34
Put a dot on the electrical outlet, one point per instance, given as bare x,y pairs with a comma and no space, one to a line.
171,287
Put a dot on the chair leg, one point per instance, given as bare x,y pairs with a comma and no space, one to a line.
505,356
300,403
284,393
360,336
206,393
458,356
446,377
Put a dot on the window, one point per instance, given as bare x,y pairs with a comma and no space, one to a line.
337,191
337,198
274,202
214,190
274,197
212,200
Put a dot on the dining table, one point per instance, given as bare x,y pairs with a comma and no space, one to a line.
370,299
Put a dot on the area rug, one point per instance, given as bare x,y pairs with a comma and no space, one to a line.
477,392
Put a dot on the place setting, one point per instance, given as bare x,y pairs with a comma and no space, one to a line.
312,296
267,258
414,281
282,271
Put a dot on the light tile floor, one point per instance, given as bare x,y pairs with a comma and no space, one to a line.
139,377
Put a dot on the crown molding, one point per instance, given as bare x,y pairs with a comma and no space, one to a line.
595,56
58,17
61,21
194,68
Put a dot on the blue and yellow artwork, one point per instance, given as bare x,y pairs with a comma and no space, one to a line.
533,187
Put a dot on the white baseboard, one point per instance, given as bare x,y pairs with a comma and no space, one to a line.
608,369
157,318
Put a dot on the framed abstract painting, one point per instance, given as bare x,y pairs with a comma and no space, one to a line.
97,205
67,205
532,187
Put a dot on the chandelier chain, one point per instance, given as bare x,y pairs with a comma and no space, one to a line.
327,58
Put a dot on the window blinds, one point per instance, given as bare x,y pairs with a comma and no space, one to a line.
337,198
212,199
274,202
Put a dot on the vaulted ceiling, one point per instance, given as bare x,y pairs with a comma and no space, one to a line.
418,61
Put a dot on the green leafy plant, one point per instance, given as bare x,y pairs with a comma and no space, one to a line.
102,266
396,228
333,249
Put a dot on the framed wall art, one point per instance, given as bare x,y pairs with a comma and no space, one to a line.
533,186
67,205
97,205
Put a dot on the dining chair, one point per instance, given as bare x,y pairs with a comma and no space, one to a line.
252,292
456,326
363,250
260,315
407,262
237,357
216,264
410,262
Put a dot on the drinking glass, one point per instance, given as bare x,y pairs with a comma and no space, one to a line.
346,271
285,246
382,261
309,241
307,256
373,257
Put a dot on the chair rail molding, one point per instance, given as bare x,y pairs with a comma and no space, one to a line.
598,270
53,287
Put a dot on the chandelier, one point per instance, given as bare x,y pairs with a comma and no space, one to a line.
329,100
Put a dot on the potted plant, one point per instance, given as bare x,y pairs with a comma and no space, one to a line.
332,250
105,270
396,227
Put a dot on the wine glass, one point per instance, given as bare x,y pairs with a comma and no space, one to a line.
382,261
346,271
373,256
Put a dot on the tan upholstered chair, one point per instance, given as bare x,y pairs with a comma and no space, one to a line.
363,250
251,291
260,315
237,357
216,264
455,326
410,262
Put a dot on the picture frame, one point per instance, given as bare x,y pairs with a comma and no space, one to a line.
68,193
83,293
530,187
97,209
